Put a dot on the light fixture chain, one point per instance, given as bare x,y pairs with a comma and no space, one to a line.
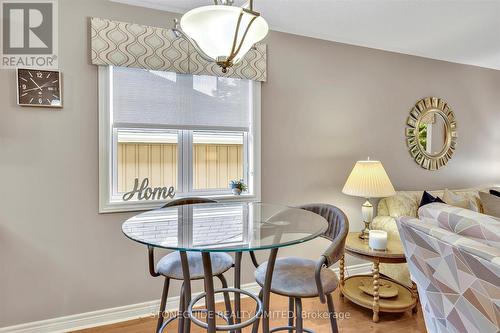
224,2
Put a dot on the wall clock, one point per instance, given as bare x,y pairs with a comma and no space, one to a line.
36,87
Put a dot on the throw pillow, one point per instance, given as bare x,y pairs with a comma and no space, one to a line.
495,192
457,200
491,204
428,198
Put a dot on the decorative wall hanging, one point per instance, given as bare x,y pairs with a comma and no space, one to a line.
134,45
431,133
144,192
36,87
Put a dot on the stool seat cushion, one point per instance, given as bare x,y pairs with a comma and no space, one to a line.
171,267
294,277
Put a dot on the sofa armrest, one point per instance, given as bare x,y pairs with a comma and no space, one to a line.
388,224
432,231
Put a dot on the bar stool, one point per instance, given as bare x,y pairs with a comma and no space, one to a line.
298,278
170,268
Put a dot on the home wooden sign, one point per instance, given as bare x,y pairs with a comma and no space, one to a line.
144,192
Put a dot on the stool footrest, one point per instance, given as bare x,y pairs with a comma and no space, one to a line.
233,327
288,328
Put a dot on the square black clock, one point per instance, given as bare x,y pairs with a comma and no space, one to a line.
36,87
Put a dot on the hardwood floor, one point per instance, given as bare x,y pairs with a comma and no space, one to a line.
356,319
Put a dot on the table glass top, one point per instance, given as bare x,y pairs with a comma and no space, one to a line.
224,227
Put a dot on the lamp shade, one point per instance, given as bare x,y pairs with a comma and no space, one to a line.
213,29
368,179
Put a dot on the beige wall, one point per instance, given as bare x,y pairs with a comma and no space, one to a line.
325,106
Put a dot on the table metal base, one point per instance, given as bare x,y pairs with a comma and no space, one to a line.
229,327
262,308
194,311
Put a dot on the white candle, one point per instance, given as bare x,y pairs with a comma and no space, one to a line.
377,239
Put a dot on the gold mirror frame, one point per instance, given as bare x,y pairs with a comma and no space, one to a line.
421,109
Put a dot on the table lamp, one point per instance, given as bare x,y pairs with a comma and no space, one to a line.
368,179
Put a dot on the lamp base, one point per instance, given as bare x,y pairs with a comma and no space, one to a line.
365,232
367,211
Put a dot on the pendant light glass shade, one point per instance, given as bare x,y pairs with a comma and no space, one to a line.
224,33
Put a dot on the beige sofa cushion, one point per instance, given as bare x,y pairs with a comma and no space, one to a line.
405,203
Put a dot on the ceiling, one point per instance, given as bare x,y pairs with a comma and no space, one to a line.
462,31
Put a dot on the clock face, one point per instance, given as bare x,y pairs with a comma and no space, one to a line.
39,87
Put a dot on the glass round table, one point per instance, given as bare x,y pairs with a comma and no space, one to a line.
225,227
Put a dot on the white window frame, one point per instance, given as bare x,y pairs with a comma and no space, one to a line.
106,160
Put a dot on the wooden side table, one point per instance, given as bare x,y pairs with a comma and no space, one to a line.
406,299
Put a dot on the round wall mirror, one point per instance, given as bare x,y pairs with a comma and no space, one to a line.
431,133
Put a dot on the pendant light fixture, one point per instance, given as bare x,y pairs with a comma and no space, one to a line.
223,33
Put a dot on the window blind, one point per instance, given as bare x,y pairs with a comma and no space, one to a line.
170,100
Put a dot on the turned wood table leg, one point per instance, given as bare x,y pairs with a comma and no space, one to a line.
376,297
342,277
414,292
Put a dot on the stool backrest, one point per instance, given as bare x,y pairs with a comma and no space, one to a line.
188,201
338,228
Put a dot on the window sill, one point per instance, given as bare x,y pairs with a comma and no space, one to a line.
135,206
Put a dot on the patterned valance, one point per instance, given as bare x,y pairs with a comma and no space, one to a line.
134,45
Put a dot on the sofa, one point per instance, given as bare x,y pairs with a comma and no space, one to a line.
454,258
405,203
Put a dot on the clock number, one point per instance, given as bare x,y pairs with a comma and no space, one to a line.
40,101
24,86
39,75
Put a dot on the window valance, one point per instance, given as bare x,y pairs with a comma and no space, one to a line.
134,45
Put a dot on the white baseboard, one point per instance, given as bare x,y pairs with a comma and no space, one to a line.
127,312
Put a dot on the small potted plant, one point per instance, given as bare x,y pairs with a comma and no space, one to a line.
237,186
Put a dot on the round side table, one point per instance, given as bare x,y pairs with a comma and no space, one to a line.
406,299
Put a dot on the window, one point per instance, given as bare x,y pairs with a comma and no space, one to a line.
195,133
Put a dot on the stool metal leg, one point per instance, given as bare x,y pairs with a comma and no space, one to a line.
164,295
182,310
299,320
237,285
227,300
255,327
266,292
333,315
209,290
186,290
291,313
